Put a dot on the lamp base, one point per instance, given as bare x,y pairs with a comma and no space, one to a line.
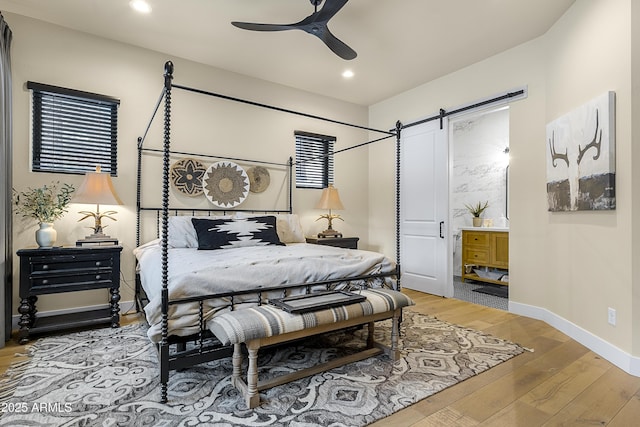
97,239
329,233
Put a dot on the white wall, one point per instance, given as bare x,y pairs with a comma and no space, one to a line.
54,55
635,173
573,265
591,251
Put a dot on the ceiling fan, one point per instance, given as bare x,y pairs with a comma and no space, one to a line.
315,24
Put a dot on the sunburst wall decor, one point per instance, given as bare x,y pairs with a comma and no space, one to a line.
226,184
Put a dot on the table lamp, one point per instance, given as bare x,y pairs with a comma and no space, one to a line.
97,189
330,199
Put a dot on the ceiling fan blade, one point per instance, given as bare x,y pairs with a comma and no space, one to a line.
263,27
330,8
336,45
315,24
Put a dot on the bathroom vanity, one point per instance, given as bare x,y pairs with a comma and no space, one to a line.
485,254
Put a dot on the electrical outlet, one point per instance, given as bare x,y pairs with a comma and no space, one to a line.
611,313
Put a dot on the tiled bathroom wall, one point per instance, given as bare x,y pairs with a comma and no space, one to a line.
480,146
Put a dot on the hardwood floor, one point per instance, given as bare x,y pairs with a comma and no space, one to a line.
560,383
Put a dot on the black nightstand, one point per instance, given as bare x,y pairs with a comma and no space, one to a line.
340,242
67,269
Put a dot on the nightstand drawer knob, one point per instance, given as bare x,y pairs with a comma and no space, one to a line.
45,282
98,264
45,266
97,277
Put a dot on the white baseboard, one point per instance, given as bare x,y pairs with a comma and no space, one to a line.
125,306
623,360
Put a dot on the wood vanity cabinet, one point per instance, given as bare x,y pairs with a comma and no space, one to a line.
485,248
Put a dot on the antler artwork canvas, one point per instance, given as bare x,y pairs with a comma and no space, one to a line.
581,165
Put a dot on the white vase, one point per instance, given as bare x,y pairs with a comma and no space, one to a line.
46,235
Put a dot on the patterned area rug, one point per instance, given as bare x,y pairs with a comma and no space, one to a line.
109,377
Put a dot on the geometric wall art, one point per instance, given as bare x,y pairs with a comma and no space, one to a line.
581,163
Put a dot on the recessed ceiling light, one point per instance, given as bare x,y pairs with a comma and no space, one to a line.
140,6
347,74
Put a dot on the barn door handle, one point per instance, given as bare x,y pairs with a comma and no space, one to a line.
441,225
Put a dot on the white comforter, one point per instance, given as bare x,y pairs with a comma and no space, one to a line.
193,272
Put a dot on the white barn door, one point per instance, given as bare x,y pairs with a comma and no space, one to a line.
424,208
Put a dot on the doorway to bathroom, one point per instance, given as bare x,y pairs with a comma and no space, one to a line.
479,177
469,174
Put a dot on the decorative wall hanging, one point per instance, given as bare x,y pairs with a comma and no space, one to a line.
226,184
186,176
581,157
259,179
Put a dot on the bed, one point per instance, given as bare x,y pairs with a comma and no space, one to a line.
193,272
185,277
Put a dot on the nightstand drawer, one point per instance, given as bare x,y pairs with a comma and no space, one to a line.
58,281
70,262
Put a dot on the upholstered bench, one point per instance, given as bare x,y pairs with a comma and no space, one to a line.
267,325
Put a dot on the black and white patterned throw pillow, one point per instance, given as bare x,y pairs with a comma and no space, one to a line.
236,233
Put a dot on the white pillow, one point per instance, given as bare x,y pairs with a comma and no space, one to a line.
181,231
288,226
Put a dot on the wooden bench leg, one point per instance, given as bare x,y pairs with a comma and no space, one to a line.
237,362
249,388
395,333
371,327
253,397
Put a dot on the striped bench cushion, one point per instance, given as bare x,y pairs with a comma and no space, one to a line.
265,321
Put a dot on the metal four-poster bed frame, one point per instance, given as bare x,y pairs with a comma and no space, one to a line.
173,352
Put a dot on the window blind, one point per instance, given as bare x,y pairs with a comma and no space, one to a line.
73,131
314,160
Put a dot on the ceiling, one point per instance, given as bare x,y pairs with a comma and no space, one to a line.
400,43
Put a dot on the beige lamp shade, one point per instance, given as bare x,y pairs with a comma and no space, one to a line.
97,189
330,199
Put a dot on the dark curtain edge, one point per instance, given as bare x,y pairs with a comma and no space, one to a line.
6,147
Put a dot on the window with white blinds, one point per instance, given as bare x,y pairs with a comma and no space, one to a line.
314,160
73,131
